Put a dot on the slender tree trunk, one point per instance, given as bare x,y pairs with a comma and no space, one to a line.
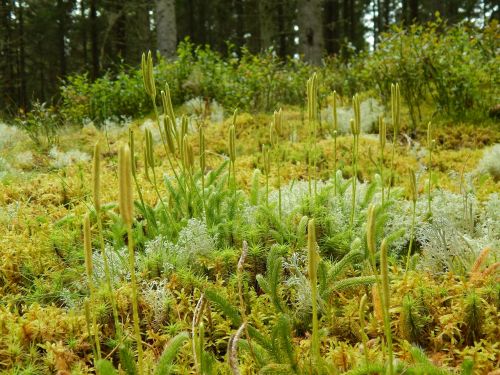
310,30
84,33
120,31
7,71
414,13
331,26
267,24
166,30
282,32
22,58
94,39
61,28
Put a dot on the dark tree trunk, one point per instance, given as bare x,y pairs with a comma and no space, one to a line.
311,30
282,32
414,12
61,31
120,30
331,26
94,39
22,58
84,33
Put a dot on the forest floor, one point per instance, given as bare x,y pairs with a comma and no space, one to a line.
46,191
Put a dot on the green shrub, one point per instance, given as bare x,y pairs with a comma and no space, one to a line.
455,67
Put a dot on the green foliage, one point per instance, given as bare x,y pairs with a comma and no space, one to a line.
454,66
41,124
164,366
105,367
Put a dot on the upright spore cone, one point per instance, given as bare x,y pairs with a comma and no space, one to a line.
96,177
87,246
125,179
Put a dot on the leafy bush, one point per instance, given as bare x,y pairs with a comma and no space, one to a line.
454,66
40,124
248,82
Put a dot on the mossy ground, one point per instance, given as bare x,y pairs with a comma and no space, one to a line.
41,207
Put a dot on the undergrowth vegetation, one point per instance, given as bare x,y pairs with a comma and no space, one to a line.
458,83
291,243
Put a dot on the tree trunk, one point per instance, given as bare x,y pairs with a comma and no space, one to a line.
331,26
94,39
61,29
84,33
414,13
22,58
166,30
311,30
267,24
7,68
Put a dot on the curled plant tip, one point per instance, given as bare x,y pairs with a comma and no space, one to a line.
87,246
125,180
244,253
96,177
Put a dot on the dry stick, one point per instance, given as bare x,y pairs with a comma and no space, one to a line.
87,246
126,211
96,182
